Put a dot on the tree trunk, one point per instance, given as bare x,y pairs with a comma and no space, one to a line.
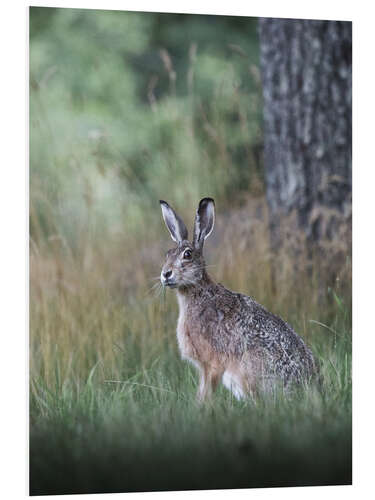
306,71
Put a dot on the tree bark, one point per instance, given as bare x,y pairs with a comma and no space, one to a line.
306,68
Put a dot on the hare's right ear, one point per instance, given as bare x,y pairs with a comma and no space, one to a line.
204,222
174,223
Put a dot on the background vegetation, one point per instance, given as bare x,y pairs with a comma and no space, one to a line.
127,108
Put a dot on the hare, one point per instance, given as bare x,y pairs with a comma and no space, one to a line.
228,336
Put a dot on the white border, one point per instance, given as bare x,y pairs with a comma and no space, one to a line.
267,8
14,265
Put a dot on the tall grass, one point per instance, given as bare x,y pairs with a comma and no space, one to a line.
112,407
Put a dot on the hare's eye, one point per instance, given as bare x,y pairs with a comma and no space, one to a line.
187,254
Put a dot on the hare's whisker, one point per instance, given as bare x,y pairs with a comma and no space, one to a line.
153,288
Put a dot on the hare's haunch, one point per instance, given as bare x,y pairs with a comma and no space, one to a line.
226,335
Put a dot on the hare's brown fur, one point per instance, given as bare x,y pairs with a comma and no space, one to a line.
227,335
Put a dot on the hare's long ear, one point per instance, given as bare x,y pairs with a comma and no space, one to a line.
174,223
204,222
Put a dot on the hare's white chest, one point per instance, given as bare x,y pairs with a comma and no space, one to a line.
183,338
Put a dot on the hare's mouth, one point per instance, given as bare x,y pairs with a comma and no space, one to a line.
169,283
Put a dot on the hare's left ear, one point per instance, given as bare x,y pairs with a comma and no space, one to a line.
174,223
204,222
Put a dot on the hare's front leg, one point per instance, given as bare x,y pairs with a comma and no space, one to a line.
209,379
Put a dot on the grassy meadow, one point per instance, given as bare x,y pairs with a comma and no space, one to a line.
112,406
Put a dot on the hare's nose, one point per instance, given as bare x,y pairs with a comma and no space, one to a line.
167,274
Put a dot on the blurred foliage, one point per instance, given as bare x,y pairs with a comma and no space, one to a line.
128,107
